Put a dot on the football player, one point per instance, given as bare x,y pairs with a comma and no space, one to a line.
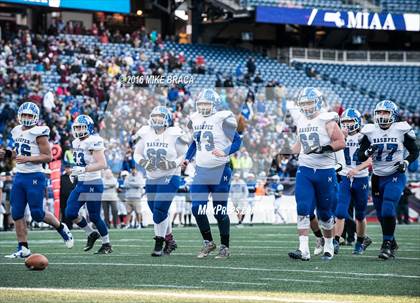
252,188
354,182
319,137
88,152
385,141
215,138
275,188
160,150
31,150
238,195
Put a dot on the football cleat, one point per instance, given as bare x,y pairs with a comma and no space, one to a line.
394,246
208,247
386,252
298,255
336,246
91,240
319,248
327,256
158,250
104,250
366,242
23,252
67,236
358,249
223,252
170,246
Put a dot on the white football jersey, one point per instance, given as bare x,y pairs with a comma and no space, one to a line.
161,146
313,133
390,143
83,155
209,135
351,153
25,145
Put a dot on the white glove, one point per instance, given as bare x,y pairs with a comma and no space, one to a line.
78,170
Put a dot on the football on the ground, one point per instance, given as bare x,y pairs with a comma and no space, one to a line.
36,262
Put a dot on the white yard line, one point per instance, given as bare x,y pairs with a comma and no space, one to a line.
389,275
168,286
232,282
180,295
296,280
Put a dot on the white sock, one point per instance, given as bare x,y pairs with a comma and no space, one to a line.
105,239
1,221
169,229
328,245
88,229
160,229
304,244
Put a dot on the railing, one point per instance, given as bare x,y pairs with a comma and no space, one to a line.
348,56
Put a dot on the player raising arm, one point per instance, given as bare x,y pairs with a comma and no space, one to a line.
385,142
31,151
319,137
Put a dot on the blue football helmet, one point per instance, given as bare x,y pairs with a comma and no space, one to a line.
348,116
28,114
160,117
207,102
385,106
83,126
310,101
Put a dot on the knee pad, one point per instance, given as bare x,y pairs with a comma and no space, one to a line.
328,224
388,209
303,222
38,215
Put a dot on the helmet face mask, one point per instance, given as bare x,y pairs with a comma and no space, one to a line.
308,107
351,125
204,108
157,121
384,118
82,127
80,130
28,114
160,117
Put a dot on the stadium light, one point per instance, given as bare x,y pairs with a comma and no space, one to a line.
139,12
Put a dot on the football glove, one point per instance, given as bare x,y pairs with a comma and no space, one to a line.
371,150
146,164
78,170
320,149
402,166
166,165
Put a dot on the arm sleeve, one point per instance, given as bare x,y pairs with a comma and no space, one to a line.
412,148
229,128
192,149
364,145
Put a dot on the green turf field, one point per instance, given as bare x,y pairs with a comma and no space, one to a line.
258,270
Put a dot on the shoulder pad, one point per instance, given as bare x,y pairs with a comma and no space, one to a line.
368,129
329,116
15,130
141,132
403,126
224,114
295,113
194,116
96,143
39,131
